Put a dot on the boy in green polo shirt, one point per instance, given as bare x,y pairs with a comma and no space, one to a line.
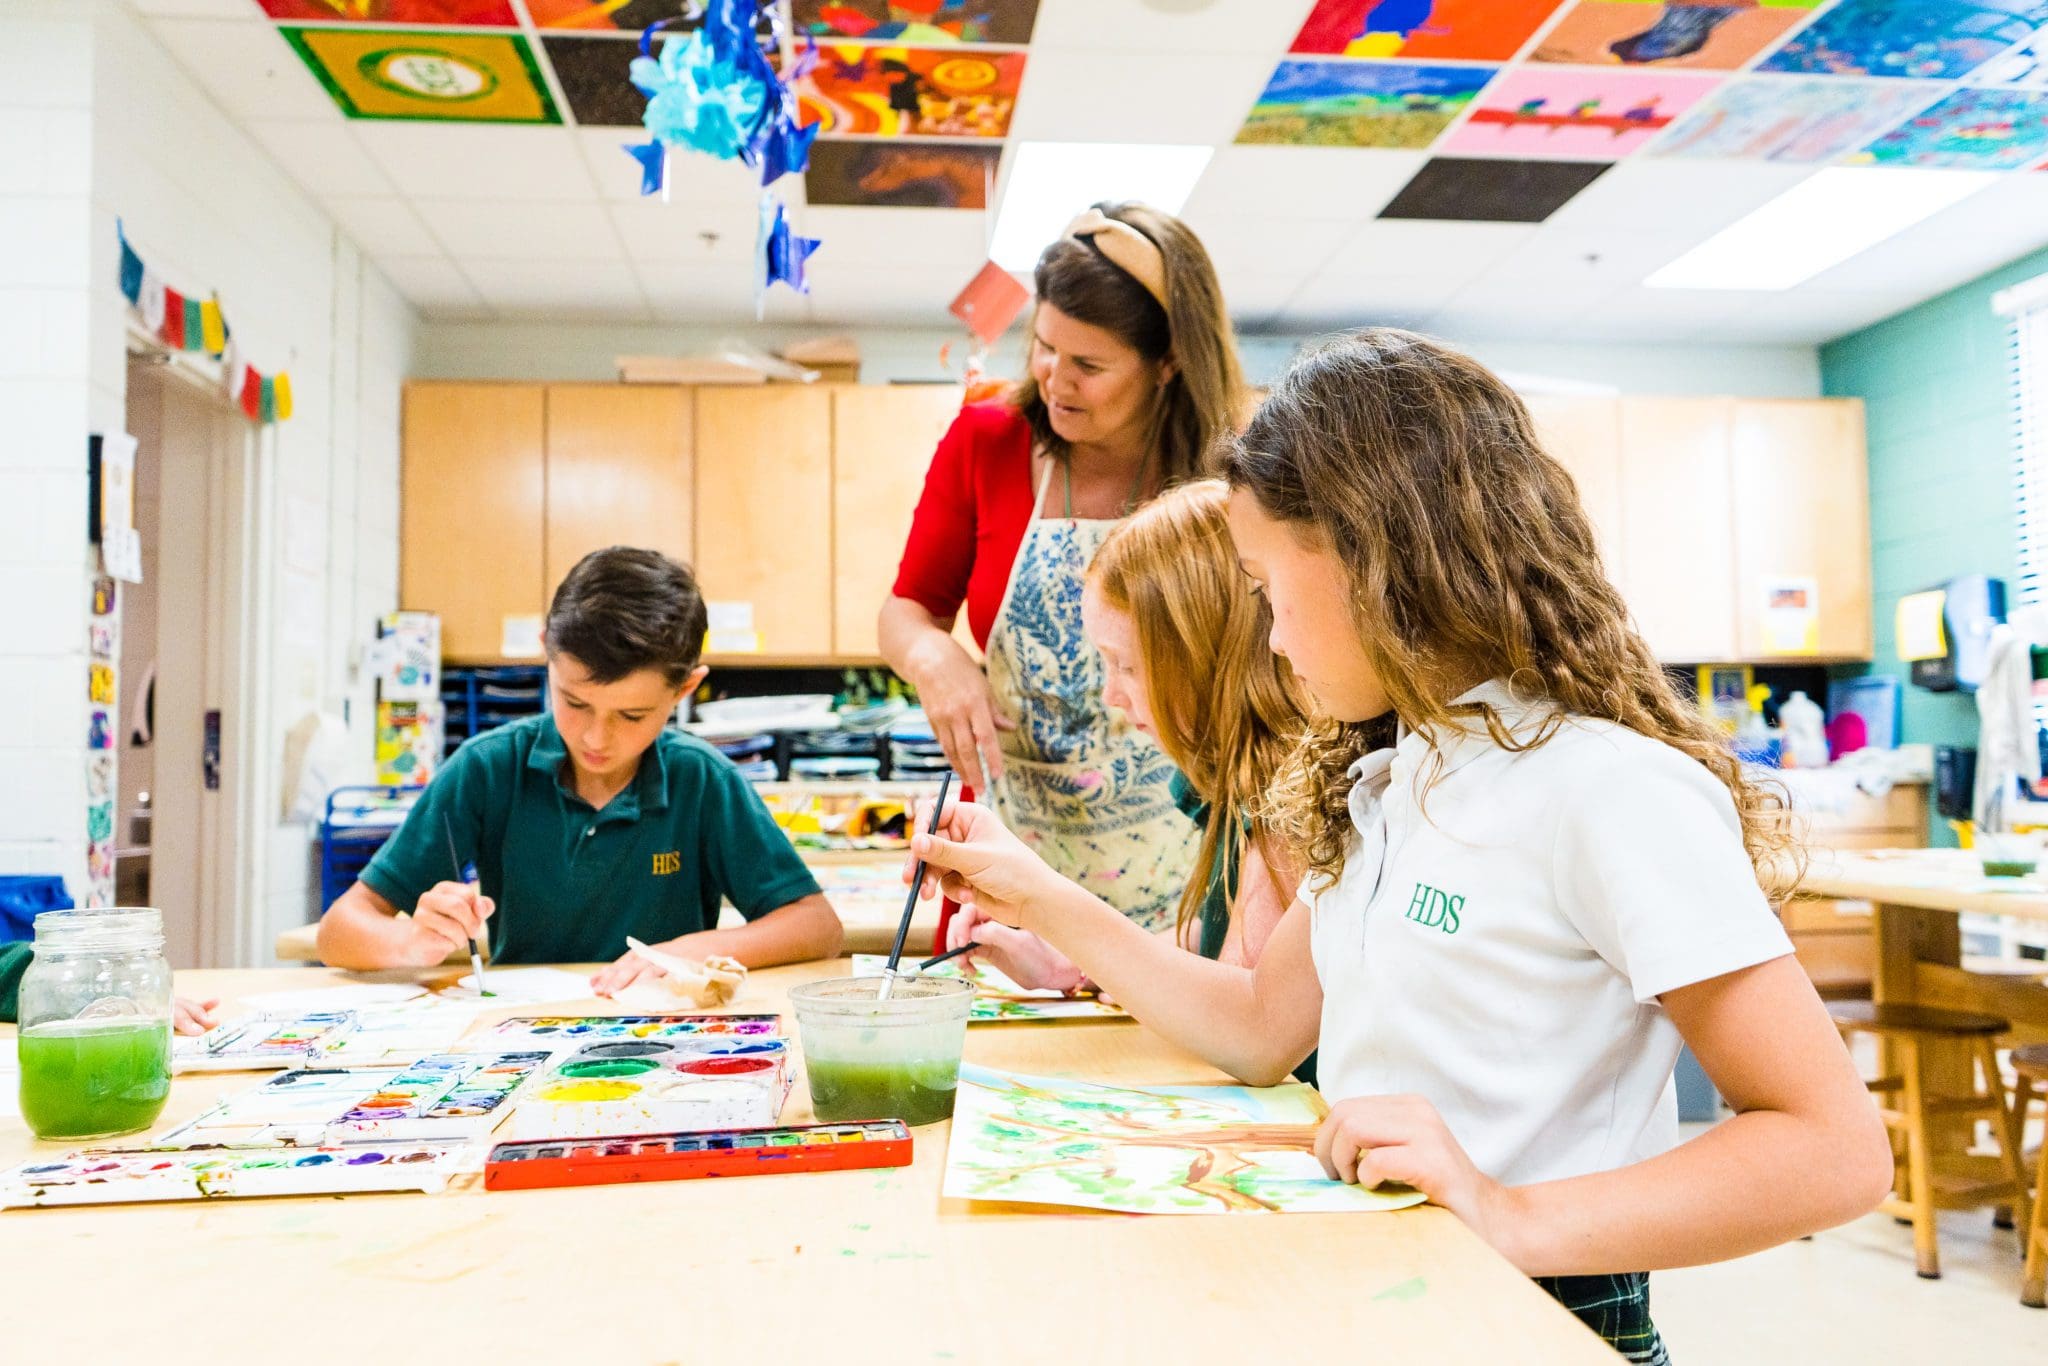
592,821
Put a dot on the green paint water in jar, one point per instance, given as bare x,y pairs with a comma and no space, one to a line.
916,1091
870,1057
95,1037
89,1079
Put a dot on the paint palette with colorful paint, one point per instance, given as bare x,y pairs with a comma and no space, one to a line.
447,1096
562,1032
679,1084
130,1176
545,1163
263,1043
451,1096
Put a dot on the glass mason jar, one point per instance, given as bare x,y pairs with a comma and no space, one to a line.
95,1037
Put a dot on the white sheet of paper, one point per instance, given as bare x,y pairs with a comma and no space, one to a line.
352,996
519,638
121,553
530,986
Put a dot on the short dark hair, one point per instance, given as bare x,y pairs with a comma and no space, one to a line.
621,610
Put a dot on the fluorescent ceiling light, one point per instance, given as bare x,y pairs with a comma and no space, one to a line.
1820,222
1053,183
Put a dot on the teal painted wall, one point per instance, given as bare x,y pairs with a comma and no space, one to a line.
1939,414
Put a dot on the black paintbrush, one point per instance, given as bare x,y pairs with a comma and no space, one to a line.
948,954
916,885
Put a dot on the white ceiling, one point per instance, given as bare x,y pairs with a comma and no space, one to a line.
490,221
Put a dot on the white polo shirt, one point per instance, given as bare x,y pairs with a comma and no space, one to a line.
1498,946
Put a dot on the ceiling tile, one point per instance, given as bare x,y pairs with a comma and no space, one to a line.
479,161
1270,245
848,293
1446,256
431,284
473,230
1678,196
244,10
1656,315
248,68
2000,223
1098,96
695,293
382,226
606,291
691,229
691,176
1479,189
1312,182
947,244
324,157
1262,28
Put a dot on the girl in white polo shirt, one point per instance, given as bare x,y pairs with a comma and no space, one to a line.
1515,914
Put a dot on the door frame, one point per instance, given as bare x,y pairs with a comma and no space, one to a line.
232,874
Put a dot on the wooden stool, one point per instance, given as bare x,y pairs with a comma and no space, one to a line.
2031,1063
1919,1189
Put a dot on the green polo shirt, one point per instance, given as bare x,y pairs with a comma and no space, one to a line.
15,957
572,882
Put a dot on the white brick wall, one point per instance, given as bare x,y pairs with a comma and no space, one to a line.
45,158
209,209
97,121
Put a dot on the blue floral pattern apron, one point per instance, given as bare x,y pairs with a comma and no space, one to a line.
1080,785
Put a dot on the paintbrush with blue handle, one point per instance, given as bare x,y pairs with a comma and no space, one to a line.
465,874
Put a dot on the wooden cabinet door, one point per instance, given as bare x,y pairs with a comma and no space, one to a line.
618,471
882,443
764,511
1677,526
1584,435
1802,513
471,509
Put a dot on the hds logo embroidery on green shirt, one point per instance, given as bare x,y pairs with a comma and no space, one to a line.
671,862
1435,909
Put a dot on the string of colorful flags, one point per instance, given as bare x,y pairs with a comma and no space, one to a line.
187,323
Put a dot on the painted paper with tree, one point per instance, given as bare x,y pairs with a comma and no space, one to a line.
1146,1149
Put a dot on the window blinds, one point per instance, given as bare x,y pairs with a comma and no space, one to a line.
2026,309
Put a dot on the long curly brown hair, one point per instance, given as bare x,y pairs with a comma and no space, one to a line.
1469,557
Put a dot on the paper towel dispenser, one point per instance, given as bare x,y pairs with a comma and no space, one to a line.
1944,633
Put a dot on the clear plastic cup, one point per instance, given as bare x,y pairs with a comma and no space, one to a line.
869,1058
2008,854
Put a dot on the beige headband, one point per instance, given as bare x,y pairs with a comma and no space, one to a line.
1129,250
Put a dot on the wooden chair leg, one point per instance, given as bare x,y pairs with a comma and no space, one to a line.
2009,1130
1919,1164
2034,1282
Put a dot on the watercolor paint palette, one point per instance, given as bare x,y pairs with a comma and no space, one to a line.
683,1083
131,1176
451,1096
263,1043
998,1000
561,1032
546,1163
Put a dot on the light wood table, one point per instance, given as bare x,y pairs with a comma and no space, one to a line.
862,1266
865,889
1917,895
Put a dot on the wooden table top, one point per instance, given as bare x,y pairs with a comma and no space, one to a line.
853,1266
1932,879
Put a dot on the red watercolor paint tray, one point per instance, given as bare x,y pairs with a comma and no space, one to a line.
535,1164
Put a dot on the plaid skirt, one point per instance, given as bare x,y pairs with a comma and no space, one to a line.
1616,1307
